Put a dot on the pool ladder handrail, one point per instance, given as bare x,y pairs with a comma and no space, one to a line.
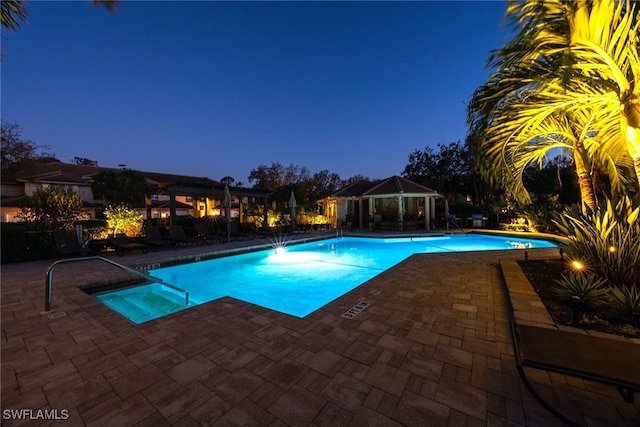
143,274
450,221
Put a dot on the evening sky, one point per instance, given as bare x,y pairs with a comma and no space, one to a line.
215,89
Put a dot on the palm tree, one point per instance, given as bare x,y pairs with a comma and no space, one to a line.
14,12
567,80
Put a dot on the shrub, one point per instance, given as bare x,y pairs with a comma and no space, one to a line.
23,241
584,288
55,207
608,240
626,300
123,219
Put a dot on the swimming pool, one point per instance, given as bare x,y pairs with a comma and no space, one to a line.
298,279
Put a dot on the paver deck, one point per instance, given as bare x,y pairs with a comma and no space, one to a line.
432,347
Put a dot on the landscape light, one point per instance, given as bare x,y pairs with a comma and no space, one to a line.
577,265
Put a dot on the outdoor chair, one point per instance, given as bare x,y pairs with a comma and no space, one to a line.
154,238
121,244
610,361
205,234
255,231
68,245
181,238
234,231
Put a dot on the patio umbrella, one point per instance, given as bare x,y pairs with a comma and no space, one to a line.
227,209
292,208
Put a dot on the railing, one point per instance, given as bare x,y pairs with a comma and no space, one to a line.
145,275
451,221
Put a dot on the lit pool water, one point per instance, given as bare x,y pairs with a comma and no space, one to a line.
299,279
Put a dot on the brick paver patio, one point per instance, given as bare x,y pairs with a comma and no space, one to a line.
431,348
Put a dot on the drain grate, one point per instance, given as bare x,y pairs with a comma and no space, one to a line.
353,311
56,315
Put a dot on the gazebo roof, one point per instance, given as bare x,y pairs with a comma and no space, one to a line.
396,184
392,185
357,188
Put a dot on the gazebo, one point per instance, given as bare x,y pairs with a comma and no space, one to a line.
394,203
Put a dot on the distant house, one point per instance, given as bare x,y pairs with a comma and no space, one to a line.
394,203
169,195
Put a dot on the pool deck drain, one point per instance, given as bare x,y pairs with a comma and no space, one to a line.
433,349
353,311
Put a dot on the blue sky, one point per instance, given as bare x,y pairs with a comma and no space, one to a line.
217,88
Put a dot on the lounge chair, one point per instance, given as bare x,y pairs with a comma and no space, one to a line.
154,238
181,238
611,361
205,234
234,231
255,231
121,243
68,245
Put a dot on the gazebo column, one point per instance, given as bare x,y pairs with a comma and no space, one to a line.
360,212
433,207
401,210
371,212
427,213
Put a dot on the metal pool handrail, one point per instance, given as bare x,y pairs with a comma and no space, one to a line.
49,278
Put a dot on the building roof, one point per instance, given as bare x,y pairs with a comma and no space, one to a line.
67,173
57,177
392,185
84,174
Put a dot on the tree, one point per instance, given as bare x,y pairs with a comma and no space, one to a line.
55,207
448,170
228,180
323,183
556,178
18,153
276,176
123,219
84,161
568,80
14,12
125,186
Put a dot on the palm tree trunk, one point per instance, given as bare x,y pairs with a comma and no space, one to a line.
587,193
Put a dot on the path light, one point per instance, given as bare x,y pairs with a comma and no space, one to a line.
577,265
